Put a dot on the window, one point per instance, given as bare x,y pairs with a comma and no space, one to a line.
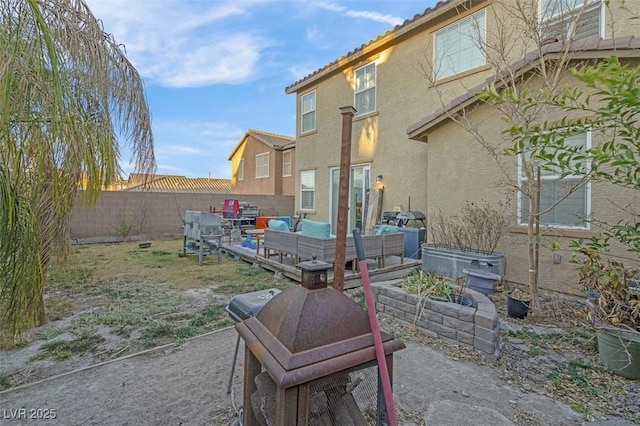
309,112
571,19
365,91
262,165
286,163
459,47
240,173
552,8
573,211
307,189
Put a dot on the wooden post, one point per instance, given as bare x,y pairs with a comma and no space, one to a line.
343,197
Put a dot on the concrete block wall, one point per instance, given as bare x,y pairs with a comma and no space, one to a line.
475,326
155,214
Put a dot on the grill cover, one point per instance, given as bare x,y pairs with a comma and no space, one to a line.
248,305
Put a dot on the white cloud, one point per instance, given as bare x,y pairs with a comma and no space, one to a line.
182,43
312,33
365,14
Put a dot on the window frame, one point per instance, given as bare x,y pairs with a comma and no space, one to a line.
240,171
437,71
312,172
287,153
522,221
356,92
561,12
304,113
260,165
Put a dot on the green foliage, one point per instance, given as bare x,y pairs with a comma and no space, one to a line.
426,284
62,106
60,350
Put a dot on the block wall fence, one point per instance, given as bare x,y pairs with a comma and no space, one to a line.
155,214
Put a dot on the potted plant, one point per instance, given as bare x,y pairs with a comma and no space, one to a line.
616,310
466,240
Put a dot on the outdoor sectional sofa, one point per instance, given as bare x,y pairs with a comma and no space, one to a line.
304,247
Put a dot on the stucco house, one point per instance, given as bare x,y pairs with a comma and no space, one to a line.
263,163
408,83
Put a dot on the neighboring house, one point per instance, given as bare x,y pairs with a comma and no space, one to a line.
263,163
399,83
178,184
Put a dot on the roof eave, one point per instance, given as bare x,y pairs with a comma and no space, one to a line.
385,39
420,131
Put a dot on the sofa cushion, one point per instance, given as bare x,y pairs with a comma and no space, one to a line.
278,225
386,229
311,228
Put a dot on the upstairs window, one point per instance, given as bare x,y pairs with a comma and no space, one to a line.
365,89
555,8
308,112
286,163
262,165
458,47
240,173
570,211
571,19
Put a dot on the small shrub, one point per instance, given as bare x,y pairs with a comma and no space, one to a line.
426,284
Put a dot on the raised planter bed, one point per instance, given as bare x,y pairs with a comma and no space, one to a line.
475,326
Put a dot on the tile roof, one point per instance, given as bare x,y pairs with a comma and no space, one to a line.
273,140
182,184
589,48
409,25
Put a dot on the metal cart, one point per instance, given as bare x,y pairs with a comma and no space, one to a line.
202,235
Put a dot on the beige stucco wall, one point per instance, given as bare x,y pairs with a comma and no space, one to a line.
449,170
156,214
460,169
275,184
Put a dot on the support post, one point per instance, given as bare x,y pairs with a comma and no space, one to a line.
343,197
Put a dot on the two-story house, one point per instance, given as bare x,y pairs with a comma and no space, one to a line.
263,163
408,84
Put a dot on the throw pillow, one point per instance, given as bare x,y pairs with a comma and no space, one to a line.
387,229
278,225
311,228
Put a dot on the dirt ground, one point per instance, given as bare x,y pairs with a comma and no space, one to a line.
107,313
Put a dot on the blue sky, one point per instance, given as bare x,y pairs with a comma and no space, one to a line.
215,68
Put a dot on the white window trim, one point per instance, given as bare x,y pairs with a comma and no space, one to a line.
314,190
240,173
260,166
375,88
588,5
303,112
288,152
520,218
435,53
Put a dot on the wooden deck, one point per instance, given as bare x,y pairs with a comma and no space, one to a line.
393,269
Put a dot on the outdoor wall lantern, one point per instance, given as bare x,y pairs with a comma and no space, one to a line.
379,179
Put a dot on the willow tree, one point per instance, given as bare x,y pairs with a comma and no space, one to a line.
69,101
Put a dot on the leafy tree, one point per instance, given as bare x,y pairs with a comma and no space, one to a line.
67,91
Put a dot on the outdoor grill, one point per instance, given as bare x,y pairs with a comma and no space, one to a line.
403,218
310,360
246,306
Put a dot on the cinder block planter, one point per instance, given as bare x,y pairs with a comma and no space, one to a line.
475,326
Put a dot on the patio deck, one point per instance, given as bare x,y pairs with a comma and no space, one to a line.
392,267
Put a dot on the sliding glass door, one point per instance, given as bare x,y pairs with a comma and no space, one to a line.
359,186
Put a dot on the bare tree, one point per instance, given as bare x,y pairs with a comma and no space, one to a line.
529,58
